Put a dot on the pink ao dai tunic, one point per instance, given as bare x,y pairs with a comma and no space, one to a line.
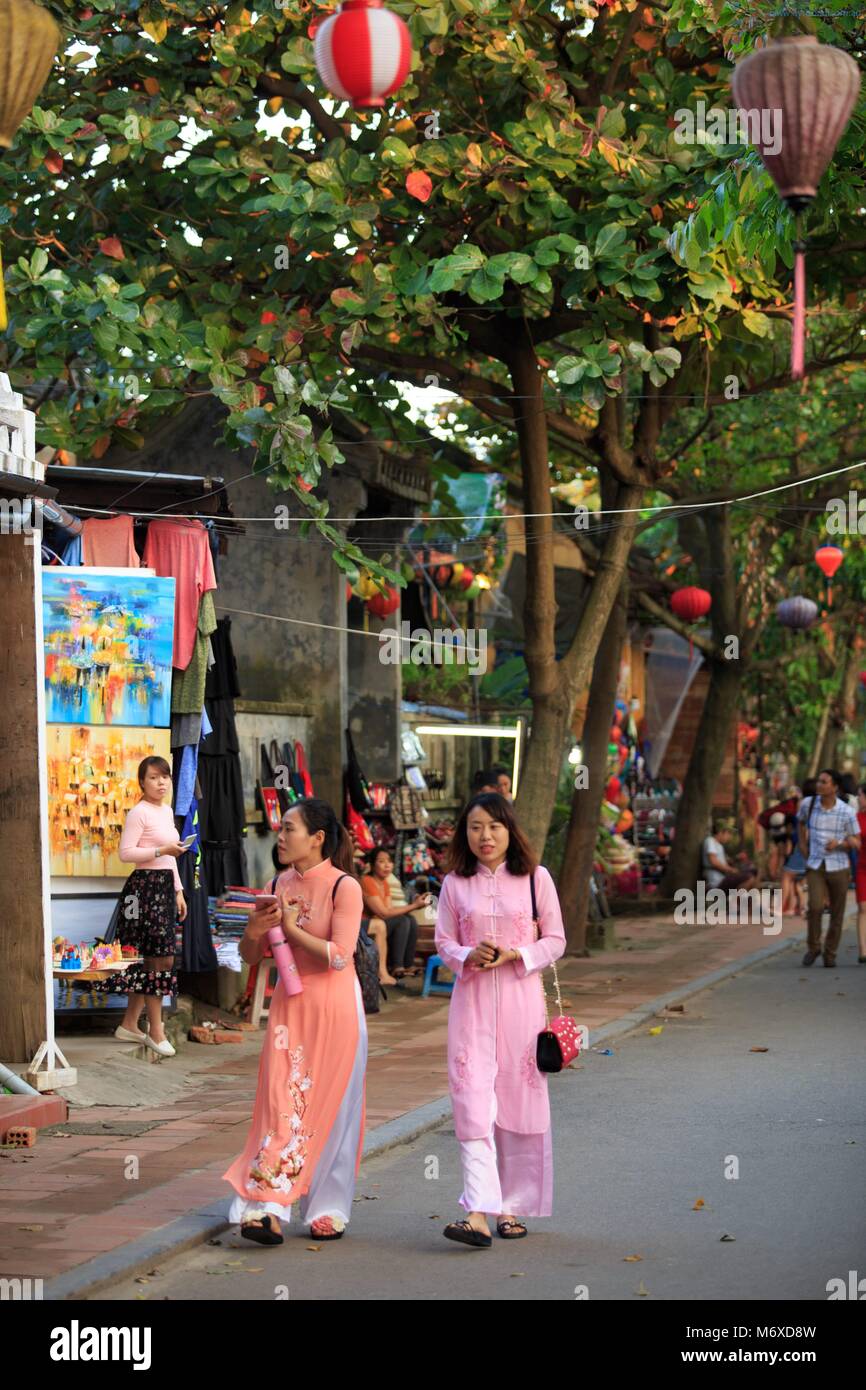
496,1015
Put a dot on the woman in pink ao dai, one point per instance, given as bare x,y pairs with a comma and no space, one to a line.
486,934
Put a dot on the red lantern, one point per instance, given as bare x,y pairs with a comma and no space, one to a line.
813,87
383,605
828,558
363,52
616,734
689,604
467,578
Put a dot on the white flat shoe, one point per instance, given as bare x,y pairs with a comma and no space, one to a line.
129,1035
164,1048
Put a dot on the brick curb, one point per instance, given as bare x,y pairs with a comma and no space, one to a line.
205,1222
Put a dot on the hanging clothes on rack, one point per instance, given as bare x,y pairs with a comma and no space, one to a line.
181,549
187,687
197,951
222,811
108,541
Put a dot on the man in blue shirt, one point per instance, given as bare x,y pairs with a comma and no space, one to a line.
828,829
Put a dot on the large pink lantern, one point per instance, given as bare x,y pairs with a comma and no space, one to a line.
363,52
813,90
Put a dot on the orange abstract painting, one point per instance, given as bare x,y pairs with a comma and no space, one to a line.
92,783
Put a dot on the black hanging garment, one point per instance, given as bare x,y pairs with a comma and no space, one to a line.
221,811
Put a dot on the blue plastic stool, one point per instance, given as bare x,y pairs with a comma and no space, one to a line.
431,985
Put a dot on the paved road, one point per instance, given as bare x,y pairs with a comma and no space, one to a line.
639,1137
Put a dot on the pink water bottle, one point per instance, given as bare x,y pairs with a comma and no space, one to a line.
285,961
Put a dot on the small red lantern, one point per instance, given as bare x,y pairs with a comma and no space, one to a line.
467,578
689,605
383,605
363,52
616,734
828,558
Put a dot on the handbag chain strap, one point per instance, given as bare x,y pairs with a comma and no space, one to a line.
553,963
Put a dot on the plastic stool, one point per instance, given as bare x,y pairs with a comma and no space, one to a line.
431,985
264,978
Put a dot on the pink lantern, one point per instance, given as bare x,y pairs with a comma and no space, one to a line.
363,52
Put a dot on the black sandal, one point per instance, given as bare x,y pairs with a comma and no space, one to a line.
264,1231
511,1230
466,1234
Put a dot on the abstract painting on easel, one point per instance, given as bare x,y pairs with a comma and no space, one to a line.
92,783
108,648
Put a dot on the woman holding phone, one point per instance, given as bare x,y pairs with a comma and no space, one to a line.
498,926
151,905
304,1144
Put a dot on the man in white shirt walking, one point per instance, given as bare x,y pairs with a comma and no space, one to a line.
828,829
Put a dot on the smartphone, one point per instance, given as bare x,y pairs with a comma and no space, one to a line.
190,840
265,900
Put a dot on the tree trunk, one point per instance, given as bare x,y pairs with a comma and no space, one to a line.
720,707
22,978
841,713
554,687
579,852
537,789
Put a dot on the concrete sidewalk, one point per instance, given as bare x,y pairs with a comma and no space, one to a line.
80,1210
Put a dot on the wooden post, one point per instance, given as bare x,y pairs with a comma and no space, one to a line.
26,982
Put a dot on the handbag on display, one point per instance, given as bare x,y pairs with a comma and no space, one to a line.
356,782
358,829
559,1042
303,772
406,809
267,798
278,760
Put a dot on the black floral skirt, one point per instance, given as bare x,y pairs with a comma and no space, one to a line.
147,922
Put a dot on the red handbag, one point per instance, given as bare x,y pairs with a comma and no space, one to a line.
559,1042
358,829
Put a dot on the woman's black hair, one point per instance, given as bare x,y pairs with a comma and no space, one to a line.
336,846
147,763
519,857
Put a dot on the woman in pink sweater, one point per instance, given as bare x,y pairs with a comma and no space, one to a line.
151,905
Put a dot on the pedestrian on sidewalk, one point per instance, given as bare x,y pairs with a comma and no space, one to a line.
152,903
305,1139
860,879
828,829
794,867
486,934
401,926
717,870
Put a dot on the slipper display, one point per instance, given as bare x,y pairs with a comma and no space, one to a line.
264,1232
465,1234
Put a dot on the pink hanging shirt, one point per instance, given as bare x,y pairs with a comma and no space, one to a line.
182,549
